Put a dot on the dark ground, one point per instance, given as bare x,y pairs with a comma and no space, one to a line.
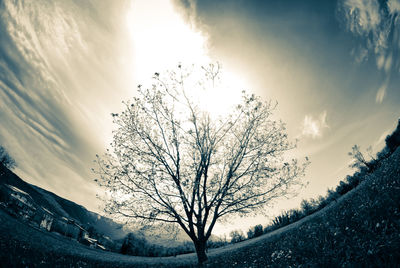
362,229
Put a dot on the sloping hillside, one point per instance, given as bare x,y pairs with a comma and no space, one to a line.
361,229
62,207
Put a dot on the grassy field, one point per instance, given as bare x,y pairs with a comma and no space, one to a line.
24,246
361,229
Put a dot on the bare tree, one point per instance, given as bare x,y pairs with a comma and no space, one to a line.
5,159
359,161
172,162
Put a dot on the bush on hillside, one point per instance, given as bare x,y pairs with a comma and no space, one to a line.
136,245
237,236
343,188
216,242
393,140
362,230
255,231
361,161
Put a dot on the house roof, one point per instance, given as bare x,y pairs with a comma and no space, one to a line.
23,201
46,210
101,247
15,189
91,240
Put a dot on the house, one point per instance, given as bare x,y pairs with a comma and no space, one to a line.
66,227
21,204
83,234
98,246
43,218
69,228
47,219
17,202
106,241
93,243
88,241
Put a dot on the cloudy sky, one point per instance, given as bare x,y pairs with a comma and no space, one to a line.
333,67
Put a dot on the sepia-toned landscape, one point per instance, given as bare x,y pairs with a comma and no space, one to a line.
152,133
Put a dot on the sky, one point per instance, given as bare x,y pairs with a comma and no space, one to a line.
65,66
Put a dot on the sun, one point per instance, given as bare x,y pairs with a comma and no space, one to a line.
161,39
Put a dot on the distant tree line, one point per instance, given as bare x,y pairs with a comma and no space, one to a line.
363,164
362,230
137,245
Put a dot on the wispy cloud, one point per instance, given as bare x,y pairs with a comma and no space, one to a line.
381,93
62,71
378,24
314,127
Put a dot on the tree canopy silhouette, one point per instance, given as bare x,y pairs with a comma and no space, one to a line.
173,162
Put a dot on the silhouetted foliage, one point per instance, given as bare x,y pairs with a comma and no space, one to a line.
286,218
359,231
250,233
332,195
5,159
255,231
216,242
364,167
136,245
393,140
359,160
343,188
354,180
93,232
237,236
307,207
172,163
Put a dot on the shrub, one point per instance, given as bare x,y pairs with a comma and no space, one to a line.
360,231
134,245
343,188
393,140
308,206
258,230
250,233
322,202
255,231
332,196
236,236
216,242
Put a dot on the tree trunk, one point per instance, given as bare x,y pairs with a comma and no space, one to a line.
201,251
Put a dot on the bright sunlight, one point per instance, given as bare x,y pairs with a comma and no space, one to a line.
166,40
